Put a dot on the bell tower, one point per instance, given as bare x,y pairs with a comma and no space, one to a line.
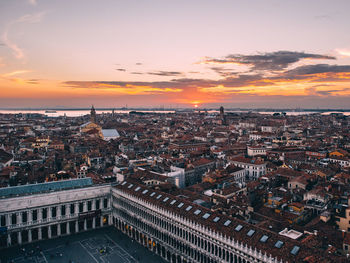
93,114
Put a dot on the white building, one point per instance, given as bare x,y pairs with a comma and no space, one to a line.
254,168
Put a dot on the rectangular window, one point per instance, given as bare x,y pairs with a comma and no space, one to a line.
89,205
24,217
44,213
3,220
81,207
72,206
97,204
14,219
54,211
35,215
63,210
105,203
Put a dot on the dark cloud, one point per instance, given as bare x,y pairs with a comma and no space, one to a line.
274,61
137,73
33,81
165,73
224,72
121,69
317,69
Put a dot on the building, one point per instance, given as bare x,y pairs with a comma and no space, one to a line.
171,226
254,168
42,211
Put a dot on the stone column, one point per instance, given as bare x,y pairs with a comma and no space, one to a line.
58,229
58,211
85,206
30,216
49,231
94,222
18,218
93,204
68,229
8,220
101,219
8,240
19,233
29,235
85,224
40,214
76,226
40,234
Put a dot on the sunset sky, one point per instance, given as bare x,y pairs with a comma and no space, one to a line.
147,53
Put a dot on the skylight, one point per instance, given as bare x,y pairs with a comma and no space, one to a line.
130,185
206,215
295,250
264,238
250,232
216,219
152,194
238,228
145,191
279,244
197,212
166,199
189,208
173,202
137,188
159,196
227,223
180,205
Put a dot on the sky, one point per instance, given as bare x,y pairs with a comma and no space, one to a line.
183,53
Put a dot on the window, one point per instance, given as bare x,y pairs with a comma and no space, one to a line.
63,210
189,208
137,188
35,215
173,202
295,250
97,203
279,244
180,205
72,210
227,223
166,199
238,228
216,219
54,211
14,219
206,215
81,207
89,206
44,213
250,232
152,194
144,191
159,196
105,203
130,185
3,220
197,212
124,183
264,238
24,217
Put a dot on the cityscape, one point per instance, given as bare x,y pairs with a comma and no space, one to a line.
174,131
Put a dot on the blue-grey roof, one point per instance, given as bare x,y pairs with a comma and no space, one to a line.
44,187
110,133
